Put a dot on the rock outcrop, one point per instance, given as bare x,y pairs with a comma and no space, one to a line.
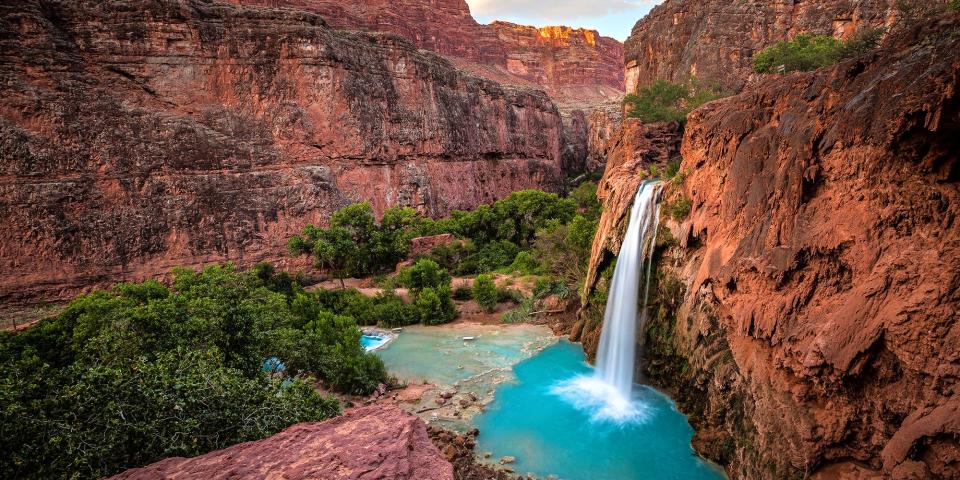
580,69
805,313
375,442
574,65
141,136
715,40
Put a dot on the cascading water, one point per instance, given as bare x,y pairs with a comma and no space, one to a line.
609,391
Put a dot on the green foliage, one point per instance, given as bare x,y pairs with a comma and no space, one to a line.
95,420
672,169
355,243
525,263
669,102
803,53
862,42
564,250
462,293
514,219
389,310
810,52
485,292
679,208
585,196
435,306
425,273
493,255
124,377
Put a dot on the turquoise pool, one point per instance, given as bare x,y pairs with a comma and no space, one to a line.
534,420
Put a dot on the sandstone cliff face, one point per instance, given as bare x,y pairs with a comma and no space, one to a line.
578,68
572,64
141,136
375,442
442,26
715,40
806,314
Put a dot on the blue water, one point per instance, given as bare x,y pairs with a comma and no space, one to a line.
372,342
533,420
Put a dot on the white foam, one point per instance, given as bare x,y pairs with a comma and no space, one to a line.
601,400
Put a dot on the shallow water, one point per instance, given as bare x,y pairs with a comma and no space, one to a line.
439,355
551,431
373,342
529,378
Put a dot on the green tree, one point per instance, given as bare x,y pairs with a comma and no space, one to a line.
805,52
425,273
435,305
485,292
336,250
663,101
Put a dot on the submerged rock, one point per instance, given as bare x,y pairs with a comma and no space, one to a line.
379,441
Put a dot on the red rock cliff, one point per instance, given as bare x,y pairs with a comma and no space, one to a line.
572,64
805,315
715,40
140,136
375,442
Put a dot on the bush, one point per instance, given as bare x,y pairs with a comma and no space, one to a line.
810,52
509,295
435,306
485,292
585,196
88,421
493,255
668,102
679,208
462,293
525,263
425,273
389,310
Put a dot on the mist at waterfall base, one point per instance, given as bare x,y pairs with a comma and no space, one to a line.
548,435
608,394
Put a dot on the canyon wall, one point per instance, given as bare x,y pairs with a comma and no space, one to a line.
579,69
715,40
805,312
141,136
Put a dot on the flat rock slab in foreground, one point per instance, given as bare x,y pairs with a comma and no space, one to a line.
375,442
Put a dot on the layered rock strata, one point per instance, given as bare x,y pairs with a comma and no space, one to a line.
715,40
139,137
805,312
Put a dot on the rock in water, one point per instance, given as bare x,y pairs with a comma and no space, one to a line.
375,442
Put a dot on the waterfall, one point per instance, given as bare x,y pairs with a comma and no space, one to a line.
615,359
608,393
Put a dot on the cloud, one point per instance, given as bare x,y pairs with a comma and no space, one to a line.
555,9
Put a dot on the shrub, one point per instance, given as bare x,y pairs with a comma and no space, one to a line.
462,293
585,196
485,292
672,169
669,102
679,208
525,264
389,310
863,42
509,295
435,306
425,273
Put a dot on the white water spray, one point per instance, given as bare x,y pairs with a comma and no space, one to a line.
608,393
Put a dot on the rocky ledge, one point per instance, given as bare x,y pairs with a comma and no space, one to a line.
369,443
805,312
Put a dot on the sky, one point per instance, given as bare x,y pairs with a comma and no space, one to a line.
612,18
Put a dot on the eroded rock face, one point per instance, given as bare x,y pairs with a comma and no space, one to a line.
715,40
376,442
806,316
578,68
142,136
572,64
